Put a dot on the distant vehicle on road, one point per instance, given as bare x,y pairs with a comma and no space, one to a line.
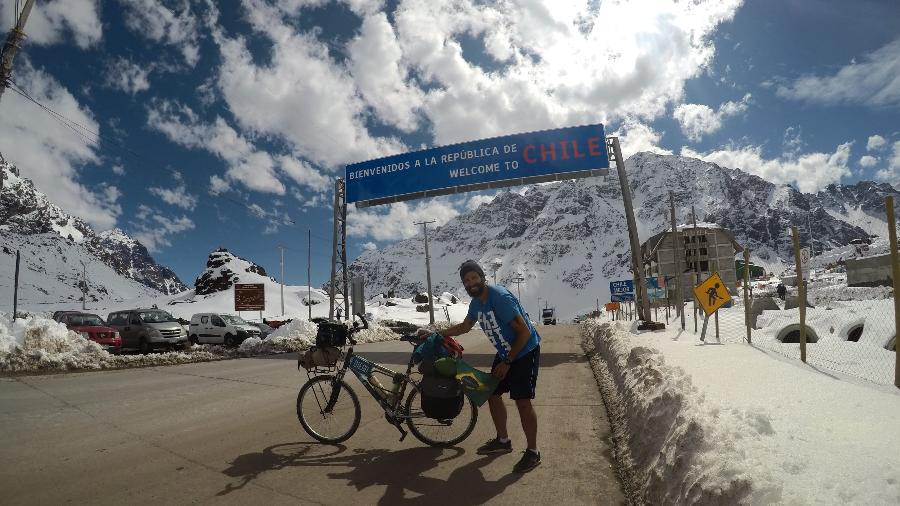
221,328
57,315
548,316
93,328
148,329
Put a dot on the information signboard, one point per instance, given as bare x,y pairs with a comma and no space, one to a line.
511,160
249,297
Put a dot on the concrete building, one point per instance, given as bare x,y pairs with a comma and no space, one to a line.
869,271
707,249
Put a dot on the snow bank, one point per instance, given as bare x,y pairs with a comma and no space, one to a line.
673,448
38,343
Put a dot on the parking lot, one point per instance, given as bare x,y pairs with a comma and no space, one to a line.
227,432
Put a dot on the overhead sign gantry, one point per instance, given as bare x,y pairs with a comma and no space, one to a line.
498,162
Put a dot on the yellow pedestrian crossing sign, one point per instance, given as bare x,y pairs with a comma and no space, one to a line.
712,294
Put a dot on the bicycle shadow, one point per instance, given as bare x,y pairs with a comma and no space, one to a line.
249,466
400,471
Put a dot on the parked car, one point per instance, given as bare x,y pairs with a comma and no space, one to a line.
92,327
148,329
220,328
58,314
264,330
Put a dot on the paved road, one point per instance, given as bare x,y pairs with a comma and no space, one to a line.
227,433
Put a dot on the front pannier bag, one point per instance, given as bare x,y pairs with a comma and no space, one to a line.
319,357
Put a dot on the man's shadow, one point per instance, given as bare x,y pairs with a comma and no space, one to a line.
400,471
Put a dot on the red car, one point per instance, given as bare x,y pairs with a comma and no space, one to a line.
94,328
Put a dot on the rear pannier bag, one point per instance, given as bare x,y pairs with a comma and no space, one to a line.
331,334
442,398
319,357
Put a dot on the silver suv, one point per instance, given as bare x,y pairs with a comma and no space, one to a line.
148,329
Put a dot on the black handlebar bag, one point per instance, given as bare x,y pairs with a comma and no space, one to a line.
442,398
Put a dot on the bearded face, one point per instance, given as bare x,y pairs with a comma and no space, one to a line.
474,284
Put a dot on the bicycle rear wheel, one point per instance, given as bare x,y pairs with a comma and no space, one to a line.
336,425
441,433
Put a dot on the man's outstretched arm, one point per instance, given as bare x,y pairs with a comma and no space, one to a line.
456,330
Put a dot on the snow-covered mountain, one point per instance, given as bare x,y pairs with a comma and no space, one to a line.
54,243
569,239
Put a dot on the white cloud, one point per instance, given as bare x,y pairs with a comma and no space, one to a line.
370,246
563,63
697,120
875,142
254,169
635,137
177,196
810,172
304,174
118,170
377,67
154,230
218,185
125,75
177,27
48,152
874,82
868,161
398,222
892,173
52,21
302,96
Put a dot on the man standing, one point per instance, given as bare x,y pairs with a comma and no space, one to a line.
502,318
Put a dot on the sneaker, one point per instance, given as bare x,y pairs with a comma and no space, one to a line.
494,447
529,461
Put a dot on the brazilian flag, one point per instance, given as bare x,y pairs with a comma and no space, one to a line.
478,385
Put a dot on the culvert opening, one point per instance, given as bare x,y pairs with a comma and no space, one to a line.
892,345
855,333
791,334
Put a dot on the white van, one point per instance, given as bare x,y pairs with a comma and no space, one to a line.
220,328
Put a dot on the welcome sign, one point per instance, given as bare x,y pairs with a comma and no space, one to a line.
548,155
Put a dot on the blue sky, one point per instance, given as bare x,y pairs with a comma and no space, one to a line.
198,124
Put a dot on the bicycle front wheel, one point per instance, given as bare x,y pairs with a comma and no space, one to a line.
441,433
333,425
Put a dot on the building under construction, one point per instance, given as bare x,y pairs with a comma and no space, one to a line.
703,250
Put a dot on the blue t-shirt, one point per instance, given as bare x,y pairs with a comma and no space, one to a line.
494,317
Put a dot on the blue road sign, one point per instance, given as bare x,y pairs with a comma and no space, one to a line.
622,297
622,286
548,155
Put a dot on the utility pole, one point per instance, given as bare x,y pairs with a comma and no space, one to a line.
677,247
282,278
309,271
83,287
428,269
15,37
812,249
518,280
696,256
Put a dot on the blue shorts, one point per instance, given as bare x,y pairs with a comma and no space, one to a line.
521,379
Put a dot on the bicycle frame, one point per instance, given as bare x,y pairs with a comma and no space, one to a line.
362,368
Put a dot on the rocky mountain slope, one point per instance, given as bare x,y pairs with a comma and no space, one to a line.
569,239
26,214
223,270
